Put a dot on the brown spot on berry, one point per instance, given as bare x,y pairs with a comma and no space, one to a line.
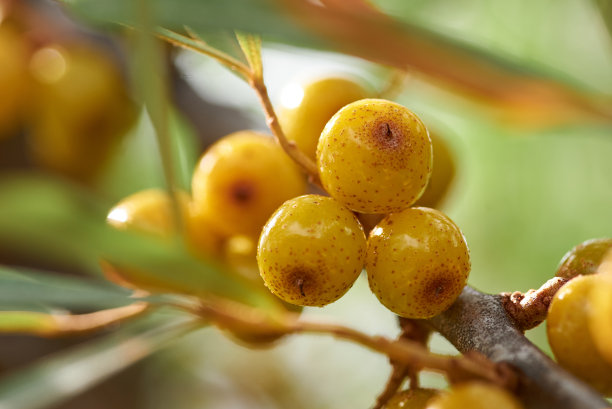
242,192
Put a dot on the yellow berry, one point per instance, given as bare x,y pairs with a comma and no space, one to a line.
375,156
311,251
411,399
80,109
240,253
417,262
442,174
241,180
150,212
306,108
600,316
584,258
475,395
569,336
13,78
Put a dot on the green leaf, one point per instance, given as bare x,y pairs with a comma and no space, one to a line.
57,379
254,16
37,290
28,322
223,40
200,46
251,46
605,8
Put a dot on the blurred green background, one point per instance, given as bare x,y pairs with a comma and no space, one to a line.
523,195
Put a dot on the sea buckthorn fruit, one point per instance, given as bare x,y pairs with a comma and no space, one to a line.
306,107
375,156
570,339
417,262
241,180
311,251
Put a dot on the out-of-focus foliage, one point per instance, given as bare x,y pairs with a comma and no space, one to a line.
523,195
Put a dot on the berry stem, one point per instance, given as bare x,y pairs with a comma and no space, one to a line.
398,374
254,77
289,147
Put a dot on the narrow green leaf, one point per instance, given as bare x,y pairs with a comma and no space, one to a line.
251,46
605,8
199,46
58,378
36,290
223,40
28,322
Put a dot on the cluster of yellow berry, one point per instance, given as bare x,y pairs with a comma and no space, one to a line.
69,97
374,157
579,322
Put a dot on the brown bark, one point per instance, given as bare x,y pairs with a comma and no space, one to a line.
479,322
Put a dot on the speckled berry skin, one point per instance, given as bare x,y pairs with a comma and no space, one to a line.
417,262
375,156
150,213
600,316
241,180
411,399
308,106
475,395
442,174
584,258
567,326
311,251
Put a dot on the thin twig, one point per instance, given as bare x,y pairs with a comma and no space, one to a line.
243,319
61,325
288,146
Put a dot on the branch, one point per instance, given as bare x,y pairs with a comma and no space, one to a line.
479,322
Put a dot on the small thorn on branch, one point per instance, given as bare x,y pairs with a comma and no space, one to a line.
528,310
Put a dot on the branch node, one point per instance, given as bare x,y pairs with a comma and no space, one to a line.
528,310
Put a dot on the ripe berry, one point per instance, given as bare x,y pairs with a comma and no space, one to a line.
306,108
417,262
241,180
600,316
13,78
442,174
569,336
311,251
475,395
80,110
411,399
375,156
150,212
584,258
